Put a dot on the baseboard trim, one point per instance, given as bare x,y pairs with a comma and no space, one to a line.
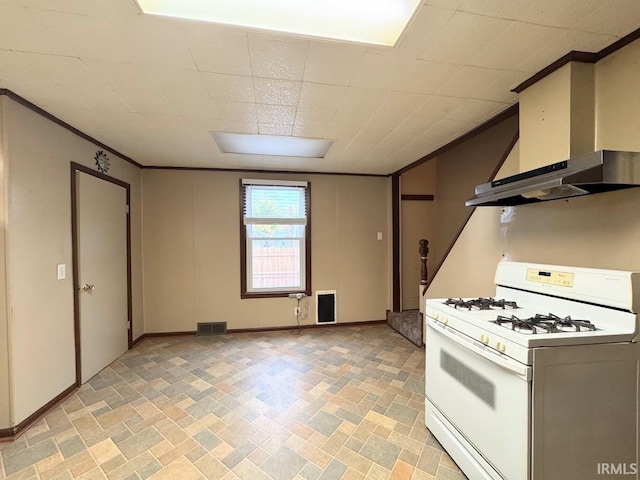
258,330
137,340
10,434
304,327
166,334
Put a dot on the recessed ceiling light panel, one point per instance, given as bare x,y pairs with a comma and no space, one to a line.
272,145
379,22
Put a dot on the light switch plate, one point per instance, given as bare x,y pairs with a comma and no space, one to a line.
379,235
62,271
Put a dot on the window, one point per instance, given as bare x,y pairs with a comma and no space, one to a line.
275,238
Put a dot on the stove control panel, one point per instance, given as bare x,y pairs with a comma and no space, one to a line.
549,277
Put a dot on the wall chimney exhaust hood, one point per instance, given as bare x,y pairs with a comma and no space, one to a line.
600,171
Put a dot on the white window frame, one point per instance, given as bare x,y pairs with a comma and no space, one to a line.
247,245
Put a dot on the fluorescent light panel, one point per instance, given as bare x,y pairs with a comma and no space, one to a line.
272,145
379,22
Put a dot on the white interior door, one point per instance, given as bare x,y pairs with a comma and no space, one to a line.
102,272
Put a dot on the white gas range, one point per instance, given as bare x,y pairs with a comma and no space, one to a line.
541,381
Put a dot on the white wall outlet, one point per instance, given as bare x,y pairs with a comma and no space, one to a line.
379,235
62,271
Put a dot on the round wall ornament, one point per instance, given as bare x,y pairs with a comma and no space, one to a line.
102,161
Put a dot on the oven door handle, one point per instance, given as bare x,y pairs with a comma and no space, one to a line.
523,371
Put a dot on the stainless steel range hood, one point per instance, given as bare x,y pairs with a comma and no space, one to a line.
600,171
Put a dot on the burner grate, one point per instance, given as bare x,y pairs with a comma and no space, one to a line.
481,303
547,323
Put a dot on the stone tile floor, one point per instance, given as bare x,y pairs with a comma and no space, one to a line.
331,403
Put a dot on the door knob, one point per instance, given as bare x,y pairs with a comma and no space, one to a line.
87,287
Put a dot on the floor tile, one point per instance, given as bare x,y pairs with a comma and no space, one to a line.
283,464
381,451
332,403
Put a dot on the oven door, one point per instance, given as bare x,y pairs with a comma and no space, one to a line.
485,400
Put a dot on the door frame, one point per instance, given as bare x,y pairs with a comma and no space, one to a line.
76,167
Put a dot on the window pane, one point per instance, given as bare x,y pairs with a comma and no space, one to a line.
275,202
275,264
275,231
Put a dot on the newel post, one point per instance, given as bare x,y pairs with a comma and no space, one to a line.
424,251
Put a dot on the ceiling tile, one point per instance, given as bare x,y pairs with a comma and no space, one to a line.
318,117
176,84
415,124
238,112
612,17
449,128
88,37
564,14
79,7
309,131
465,83
518,41
138,39
276,92
271,58
66,71
450,4
394,110
473,109
395,141
499,90
569,40
104,100
466,34
285,129
200,126
399,105
22,30
147,102
200,107
60,104
317,95
357,107
427,77
17,69
220,51
232,88
380,70
426,26
505,9
438,106
122,76
276,114
332,63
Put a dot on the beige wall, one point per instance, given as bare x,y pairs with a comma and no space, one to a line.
600,231
5,394
418,220
452,177
545,126
41,333
618,100
557,116
469,267
191,225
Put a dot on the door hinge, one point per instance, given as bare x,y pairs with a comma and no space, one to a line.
127,209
